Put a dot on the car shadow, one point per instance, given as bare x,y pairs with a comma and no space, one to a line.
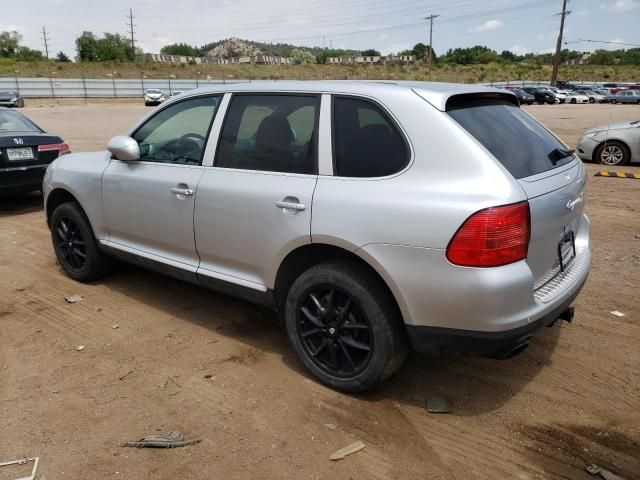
473,385
20,203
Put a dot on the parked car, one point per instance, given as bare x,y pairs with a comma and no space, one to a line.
153,96
217,186
616,144
542,96
577,97
524,97
626,96
11,98
593,96
560,95
25,152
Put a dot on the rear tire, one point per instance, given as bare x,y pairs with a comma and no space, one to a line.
592,100
344,326
573,100
20,103
614,101
612,153
75,245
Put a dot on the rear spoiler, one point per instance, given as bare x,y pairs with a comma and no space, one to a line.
444,98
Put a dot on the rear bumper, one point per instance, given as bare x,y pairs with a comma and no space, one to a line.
21,179
504,344
5,103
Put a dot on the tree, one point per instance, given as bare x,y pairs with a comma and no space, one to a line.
508,56
370,53
302,57
25,54
180,49
62,57
9,44
87,47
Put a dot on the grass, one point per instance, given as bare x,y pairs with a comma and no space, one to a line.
442,73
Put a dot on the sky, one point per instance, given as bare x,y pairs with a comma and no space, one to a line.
387,25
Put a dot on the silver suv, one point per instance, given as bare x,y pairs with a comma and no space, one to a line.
372,216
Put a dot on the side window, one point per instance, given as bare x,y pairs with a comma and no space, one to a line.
274,133
366,143
178,134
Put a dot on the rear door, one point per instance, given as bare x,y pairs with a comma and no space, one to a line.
552,177
253,206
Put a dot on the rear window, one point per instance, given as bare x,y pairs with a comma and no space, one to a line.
518,141
15,122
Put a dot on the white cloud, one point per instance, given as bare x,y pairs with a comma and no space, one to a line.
488,25
621,5
519,50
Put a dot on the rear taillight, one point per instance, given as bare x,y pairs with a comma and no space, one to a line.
492,237
62,148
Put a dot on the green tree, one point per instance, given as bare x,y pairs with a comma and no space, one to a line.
9,44
87,47
302,57
370,53
62,57
508,56
26,54
180,49
322,57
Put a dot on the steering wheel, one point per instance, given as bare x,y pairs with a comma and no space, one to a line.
182,148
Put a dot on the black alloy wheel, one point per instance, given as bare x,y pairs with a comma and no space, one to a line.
72,247
335,332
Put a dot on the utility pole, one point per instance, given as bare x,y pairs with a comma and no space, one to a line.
45,39
430,18
556,60
131,32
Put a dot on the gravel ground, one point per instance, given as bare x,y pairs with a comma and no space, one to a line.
183,358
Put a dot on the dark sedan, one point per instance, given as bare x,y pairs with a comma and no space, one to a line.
524,97
541,96
11,99
25,152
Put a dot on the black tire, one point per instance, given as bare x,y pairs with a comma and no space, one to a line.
529,103
614,101
20,103
373,320
574,101
75,245
592,100
626,156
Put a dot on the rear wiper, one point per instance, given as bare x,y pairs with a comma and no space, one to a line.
560,153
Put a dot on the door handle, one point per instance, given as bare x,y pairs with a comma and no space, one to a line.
293,204
187,192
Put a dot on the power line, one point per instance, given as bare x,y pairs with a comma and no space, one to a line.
556,60
602,41
131,25
45,39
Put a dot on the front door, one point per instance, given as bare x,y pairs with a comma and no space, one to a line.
254,205
148,204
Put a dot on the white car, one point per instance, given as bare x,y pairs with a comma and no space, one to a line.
594,97
577,97
153,96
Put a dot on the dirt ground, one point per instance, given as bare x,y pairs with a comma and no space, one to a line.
184,358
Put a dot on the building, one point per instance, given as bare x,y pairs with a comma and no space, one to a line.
383,60
249,60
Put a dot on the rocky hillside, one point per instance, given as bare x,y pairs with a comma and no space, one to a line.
233,47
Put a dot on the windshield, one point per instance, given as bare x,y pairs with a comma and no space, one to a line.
14,122
8,94
517,140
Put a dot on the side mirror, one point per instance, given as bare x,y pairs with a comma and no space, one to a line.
124,148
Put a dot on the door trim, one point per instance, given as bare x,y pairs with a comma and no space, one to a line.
214,132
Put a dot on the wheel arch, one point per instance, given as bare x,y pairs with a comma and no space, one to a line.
596,150
306,256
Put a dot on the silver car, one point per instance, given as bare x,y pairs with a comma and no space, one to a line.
615,144
374,216
153,96
626,96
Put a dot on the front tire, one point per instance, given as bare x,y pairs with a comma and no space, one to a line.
344,326
592,100
612,153
20,103
614,101
75,245
574,101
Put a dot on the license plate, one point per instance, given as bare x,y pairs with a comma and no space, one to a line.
25,153
566,250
